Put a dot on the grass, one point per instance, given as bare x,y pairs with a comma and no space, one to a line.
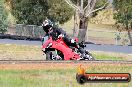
60,77
8,51
95,31
100,32
68,26
111,56
25,52
106,57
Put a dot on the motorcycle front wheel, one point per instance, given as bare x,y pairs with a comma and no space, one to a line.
88,56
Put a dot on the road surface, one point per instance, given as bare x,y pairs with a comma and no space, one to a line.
91,47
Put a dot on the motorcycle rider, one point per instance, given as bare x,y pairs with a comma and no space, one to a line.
58,32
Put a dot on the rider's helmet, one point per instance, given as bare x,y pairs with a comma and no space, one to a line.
47,25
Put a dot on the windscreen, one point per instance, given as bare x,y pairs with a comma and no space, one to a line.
44,39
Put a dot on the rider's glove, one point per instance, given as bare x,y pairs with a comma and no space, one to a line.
61,35
72,41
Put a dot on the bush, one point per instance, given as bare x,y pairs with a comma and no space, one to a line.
3,19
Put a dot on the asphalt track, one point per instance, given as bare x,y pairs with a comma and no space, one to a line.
90,47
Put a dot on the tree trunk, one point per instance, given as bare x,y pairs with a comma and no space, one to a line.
129,36
82,29
75,29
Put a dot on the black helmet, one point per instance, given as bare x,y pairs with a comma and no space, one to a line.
47,24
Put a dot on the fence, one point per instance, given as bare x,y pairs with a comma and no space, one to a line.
108,37
26,30
98,36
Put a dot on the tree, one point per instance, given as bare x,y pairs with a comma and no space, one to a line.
35,11
123,15
3,21
85,9
59,11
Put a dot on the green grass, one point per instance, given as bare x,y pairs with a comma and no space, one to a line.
100,55
25,52
106,57
60,77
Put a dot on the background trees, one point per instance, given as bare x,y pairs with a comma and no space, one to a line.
85,9
35,11
123,15
3,21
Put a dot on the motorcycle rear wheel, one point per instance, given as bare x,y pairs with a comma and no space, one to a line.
51,56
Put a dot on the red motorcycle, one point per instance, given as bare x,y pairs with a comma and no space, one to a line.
58,50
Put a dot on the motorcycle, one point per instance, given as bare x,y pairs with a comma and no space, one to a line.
58,50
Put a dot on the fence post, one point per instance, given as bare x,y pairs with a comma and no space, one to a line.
33,31
117,38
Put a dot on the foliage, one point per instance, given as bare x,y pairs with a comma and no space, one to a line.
123,13
59,11
104,17
3,21
35,11
99,3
